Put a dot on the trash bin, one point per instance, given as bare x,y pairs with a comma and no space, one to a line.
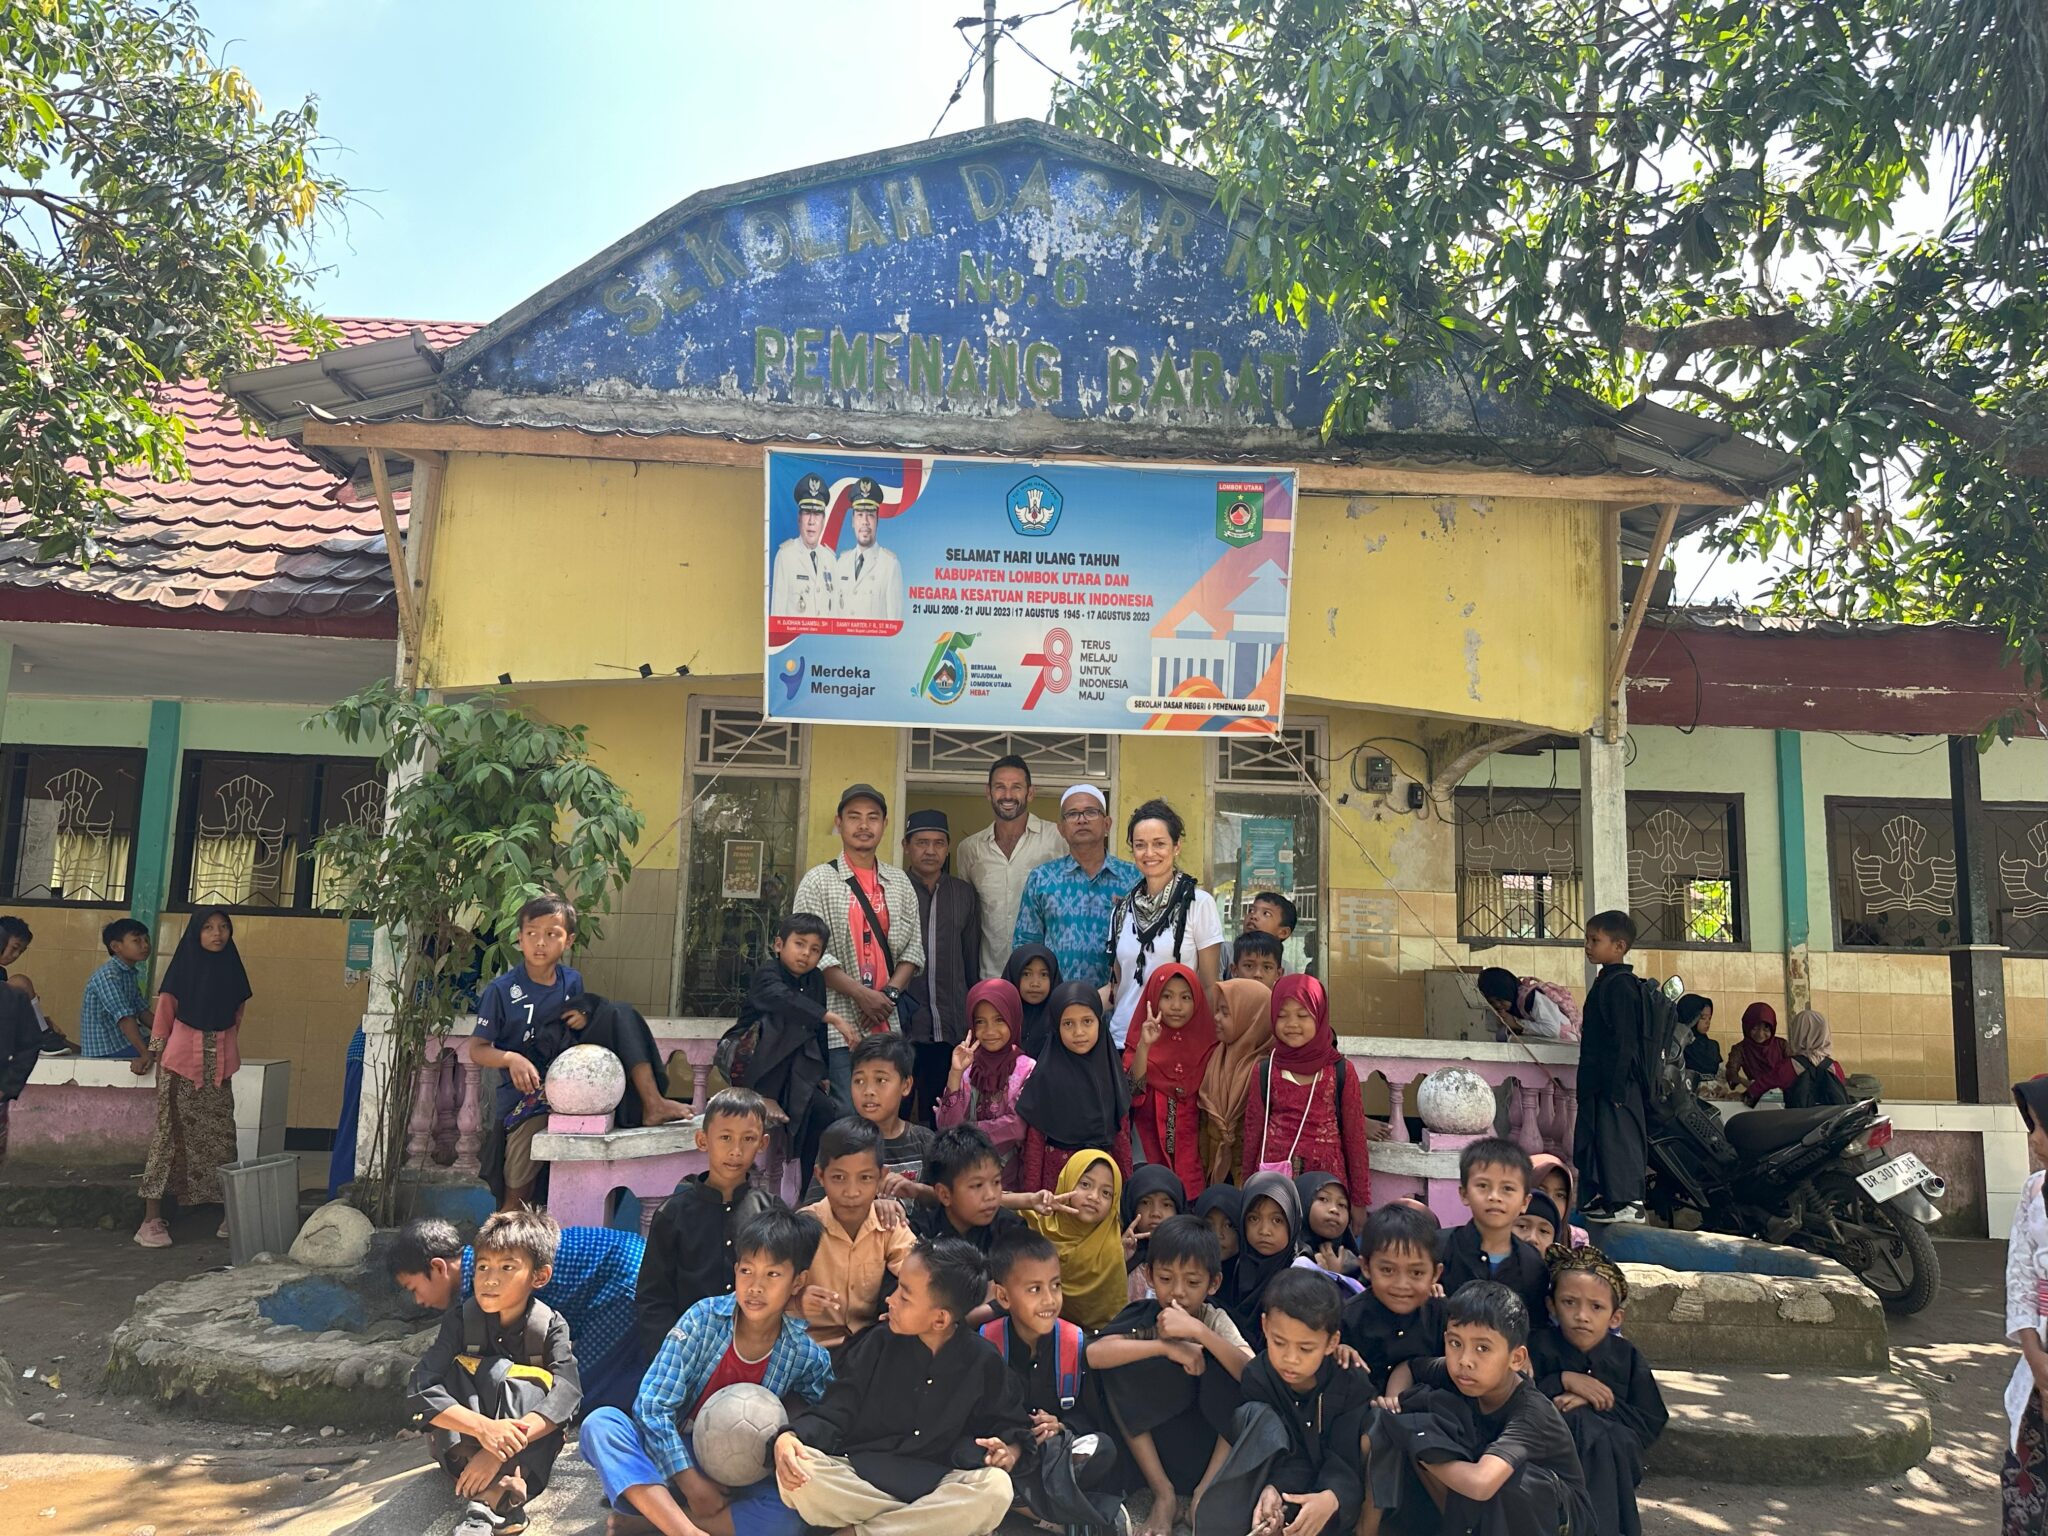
262,1195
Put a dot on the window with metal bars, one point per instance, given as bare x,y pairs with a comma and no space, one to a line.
1520,879
247,825
736,738
1892,869
70,823
1054,756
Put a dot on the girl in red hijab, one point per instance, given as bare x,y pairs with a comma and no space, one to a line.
1760,1056
1171,1041
1305,1112
989,1071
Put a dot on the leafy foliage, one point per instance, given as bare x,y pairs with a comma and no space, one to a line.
1710,200
150,211
491,809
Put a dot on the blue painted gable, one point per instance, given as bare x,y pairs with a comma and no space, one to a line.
1016,287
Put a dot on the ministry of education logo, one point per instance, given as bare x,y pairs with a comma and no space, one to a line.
1034,506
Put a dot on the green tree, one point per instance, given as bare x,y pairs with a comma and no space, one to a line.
151,212
1702,200
491,808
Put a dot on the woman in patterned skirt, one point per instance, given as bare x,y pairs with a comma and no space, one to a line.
193,1035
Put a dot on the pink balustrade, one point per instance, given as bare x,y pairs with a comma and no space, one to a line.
446,1126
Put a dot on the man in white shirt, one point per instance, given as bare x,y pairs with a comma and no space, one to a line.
997,859
801,585
868,583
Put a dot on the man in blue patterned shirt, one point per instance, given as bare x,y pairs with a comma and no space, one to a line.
592,1287
1066,904
112,1023
651,1479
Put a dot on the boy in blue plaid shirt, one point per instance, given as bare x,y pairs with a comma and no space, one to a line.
113,1024
650,1478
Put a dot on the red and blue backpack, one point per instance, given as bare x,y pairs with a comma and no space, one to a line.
1067,1341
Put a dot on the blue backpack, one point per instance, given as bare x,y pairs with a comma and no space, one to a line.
1067,1340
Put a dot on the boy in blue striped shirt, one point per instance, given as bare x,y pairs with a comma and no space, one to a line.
650,1478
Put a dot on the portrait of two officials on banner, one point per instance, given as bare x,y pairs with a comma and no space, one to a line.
812,580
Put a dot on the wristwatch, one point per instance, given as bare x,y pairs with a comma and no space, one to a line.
892,993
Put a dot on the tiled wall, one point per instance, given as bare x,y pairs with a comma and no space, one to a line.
632,961
302,1010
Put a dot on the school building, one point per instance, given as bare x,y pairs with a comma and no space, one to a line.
1462,774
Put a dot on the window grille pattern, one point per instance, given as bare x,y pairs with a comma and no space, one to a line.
1520,878
70,823
1893,867
1892,864
733,736
1064,756
1270,760
247,828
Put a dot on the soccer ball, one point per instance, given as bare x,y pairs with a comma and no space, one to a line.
734,1432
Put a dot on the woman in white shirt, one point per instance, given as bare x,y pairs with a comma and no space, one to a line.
1165,917
2024,1481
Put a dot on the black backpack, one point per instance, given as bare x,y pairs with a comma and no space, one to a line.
1816,1087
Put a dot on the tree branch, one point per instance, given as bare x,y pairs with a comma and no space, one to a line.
2016,450
1679,342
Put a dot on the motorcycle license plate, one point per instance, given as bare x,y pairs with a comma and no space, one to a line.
1888,1180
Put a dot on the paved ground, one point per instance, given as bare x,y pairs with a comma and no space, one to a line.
115,1468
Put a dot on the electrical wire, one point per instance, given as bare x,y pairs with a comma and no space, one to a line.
960,85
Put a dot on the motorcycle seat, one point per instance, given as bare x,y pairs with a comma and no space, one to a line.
1759,1132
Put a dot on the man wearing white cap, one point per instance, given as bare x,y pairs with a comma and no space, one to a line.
1066,904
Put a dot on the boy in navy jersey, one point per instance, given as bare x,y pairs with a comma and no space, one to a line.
511,1015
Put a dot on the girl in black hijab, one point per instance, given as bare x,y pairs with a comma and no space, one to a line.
1150,1189
1702,1050
1268,1241
1036,1035
193,1036
1077,1096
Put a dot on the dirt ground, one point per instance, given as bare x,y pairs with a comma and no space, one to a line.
99,1467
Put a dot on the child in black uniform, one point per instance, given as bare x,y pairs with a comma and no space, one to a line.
1167,1369
1475,1446
1066,1458
499,1381
1601,1381
1611,1142
1494,1180
1294,1461
1398,1319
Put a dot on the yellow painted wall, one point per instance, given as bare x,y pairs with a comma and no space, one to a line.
654,563
1483,607
1476,607
1170,766
852,754
300,1010
639,732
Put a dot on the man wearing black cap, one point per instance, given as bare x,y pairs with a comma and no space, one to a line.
950,918
802,584
869,581
876,944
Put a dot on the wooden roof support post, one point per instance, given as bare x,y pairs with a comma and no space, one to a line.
1632,625
394,546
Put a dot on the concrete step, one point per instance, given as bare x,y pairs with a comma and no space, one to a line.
1775,1427
1719,1321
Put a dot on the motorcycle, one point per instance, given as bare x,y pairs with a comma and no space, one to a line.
1826,1180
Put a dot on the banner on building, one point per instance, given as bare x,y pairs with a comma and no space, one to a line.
999,595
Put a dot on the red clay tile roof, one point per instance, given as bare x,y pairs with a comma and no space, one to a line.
260,537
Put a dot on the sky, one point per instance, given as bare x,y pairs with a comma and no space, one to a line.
492,147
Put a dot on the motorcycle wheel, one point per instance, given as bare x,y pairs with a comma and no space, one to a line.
1893,1255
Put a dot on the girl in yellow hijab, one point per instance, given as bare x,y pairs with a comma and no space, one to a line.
1083,1227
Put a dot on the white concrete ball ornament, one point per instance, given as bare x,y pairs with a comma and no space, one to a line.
585,1080
1456,1101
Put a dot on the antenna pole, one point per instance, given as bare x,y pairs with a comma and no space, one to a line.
988,63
